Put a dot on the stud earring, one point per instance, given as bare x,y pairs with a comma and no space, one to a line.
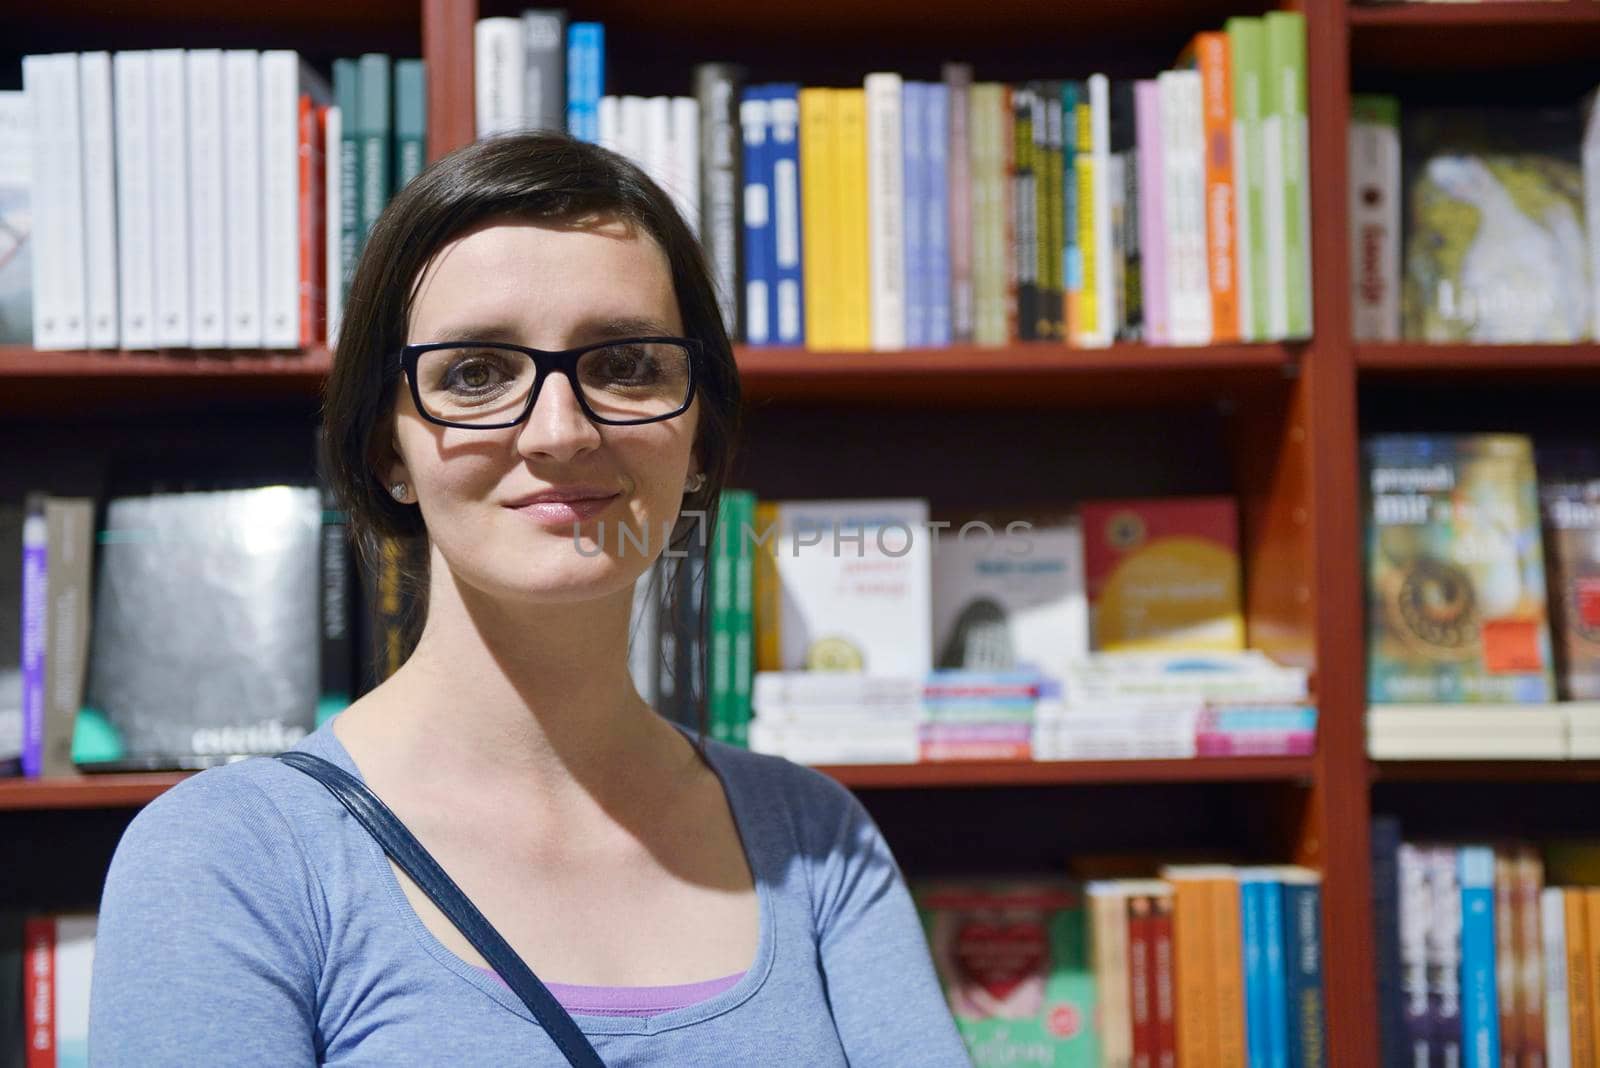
399,491
694,483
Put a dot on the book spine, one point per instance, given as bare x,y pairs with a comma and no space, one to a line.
497,70
1005,213
851,226
1591,934
35,632
410,120
1444,957
39,991
1480,1031
1197,1031
1141,985
1252,924
754,122
280,200
936,208
1287,30
38,86
1023,206
1244,40
1255,743
332,210
787,304
544,69
717,92
1530,885
208,294
1507,964
683,158
1109,952
1308,1041
721,646
1590,150
743,618
1185,204
1105,277
336,664
373,128
1580,977
585,79
987,321
1374,208
1385,844
1129,251
1216,76
1039,106
99,200
242,196
170,180
347,95
657,158
1274,933
885,210
312,230
1553,938
913,162
65,178
70,530
1071,253
958,186
1166,986
136,269
1228,953
817,206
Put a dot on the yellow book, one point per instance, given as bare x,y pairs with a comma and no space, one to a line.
1085,310
1591,901
1580,976
1227,947
1195,954
818,200
850,223
767,592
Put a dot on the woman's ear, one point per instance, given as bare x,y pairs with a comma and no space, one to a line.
388,466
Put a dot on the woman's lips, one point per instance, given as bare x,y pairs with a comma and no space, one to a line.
565,512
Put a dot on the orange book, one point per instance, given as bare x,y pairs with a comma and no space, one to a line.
1580,976
1227,954
313,230
1591,900
1194,923
1208,53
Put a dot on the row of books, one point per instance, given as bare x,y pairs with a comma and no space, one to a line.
196,198
1487,951
1569,730
1109,706
904,214
1478,225
1208,964
1483,575
46,964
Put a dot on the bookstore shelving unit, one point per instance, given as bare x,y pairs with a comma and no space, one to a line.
1277,426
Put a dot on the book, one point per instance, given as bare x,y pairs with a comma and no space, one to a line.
1303,954
1495,248
498,57
135,171
1569,498
544,68
959,184
1163,575
1456,585
1553,936
208,295
1013,960
1183,201
760,260
56,193
11,520
411,119
1287,175
1480,1023
100,195
1209,54
16,219
885,196
586,78
58,950
786,300
1375,217
169,184
716,88
1247,56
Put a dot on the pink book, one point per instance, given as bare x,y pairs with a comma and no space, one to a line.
1255,743
1152,235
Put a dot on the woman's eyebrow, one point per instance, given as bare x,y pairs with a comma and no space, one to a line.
626,326
592,330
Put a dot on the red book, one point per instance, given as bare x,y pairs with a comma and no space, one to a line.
1166,990
313,229
1141,982
39,990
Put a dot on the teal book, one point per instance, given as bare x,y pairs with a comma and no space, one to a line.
347,96
374,127
743,623
410,120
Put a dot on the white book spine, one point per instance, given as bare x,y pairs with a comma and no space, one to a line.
36,76
497,68
1557,1025
785,115
685,152
1108,305
280,199
136,264
73,967
242,169
1591,205
333,147
208,315
99,199
60,309
657,141
170,191
1273,191
886,210
1374,209
631,133
1184,141
610,117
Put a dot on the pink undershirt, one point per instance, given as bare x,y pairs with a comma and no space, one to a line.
631,1000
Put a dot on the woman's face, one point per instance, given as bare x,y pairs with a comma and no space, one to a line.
545,286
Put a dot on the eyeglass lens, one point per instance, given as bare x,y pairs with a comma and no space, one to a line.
481,384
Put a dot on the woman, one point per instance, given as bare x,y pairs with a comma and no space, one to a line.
687,902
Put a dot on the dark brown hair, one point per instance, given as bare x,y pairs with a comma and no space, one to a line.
526,176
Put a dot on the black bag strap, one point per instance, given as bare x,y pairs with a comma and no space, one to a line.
403,846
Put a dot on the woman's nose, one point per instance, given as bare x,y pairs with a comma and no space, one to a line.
557,427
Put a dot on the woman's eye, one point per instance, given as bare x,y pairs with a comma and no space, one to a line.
473,374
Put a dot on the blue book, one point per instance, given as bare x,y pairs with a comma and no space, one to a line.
1071,255
759,260
586,79
1253,889
1302,954
1275,979
1480,1015
912,154
936,144
786,318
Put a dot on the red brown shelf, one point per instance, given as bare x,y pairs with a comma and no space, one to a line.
18,361
1070,772
1469,771
87,791
1506,13
1421,358
1453,37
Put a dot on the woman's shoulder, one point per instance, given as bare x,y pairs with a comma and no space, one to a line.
813,804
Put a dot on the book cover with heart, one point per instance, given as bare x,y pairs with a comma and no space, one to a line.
1013,960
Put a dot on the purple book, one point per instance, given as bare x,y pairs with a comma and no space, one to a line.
35,540
1152,235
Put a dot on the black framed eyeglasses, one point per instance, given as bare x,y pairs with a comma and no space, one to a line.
491,385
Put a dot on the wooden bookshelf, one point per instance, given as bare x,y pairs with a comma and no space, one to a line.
1276,425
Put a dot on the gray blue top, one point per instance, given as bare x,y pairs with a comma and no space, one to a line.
248,919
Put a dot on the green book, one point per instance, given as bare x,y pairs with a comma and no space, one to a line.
722,551
1286,74
410,120
347,95
1247,54
743,617
373,129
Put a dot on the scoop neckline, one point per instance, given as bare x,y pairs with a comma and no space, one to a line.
495,988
